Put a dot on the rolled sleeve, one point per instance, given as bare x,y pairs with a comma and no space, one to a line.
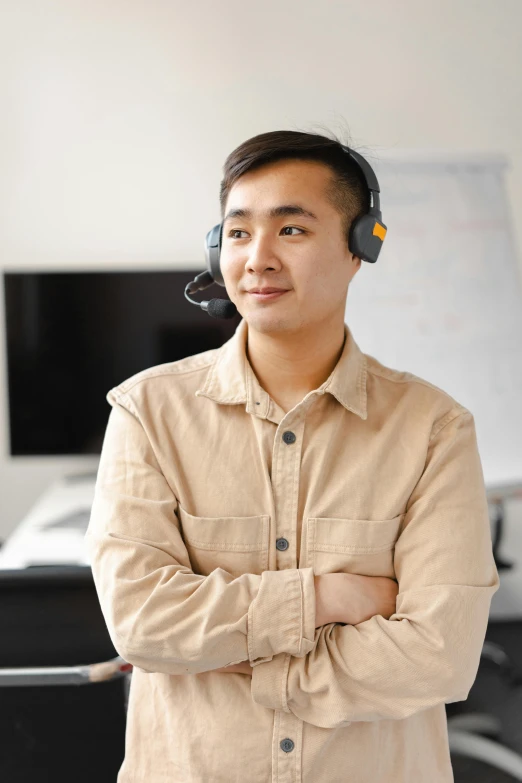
428,651
282,615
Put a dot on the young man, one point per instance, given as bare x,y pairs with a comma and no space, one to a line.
290,541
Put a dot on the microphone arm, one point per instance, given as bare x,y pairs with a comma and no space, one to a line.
200,282
217,308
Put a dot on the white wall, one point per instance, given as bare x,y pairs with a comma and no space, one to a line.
116,118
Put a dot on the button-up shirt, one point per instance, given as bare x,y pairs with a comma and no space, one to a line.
214,509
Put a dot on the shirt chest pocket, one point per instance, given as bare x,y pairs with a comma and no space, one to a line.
353,546
238,545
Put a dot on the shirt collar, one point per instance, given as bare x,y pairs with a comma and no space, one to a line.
231,380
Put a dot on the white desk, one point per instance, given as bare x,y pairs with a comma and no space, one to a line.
53,533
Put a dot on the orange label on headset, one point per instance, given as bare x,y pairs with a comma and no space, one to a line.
379,231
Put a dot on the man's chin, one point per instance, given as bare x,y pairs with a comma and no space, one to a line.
268,324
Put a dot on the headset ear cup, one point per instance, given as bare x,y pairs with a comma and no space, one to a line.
213,253
362,240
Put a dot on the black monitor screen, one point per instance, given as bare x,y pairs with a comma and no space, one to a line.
72,336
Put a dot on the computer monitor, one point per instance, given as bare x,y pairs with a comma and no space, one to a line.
72,336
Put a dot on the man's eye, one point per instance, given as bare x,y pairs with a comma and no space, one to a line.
293,228
240,231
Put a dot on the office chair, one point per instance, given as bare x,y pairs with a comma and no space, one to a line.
476,735
62,705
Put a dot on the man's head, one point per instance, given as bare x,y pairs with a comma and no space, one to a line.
288,200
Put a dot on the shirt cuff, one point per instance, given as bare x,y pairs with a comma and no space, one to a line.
269,683
281,618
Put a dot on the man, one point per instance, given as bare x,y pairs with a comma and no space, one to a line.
290,541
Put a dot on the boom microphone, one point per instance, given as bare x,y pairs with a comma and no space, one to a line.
217,308
220,308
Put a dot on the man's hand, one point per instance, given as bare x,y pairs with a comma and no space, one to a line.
353,598
369,596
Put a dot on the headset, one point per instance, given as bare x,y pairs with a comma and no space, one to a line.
366,236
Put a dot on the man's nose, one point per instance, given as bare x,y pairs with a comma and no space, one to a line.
261,255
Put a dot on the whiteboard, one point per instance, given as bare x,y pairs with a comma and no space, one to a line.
444,299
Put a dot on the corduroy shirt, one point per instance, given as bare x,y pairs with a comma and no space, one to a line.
213,511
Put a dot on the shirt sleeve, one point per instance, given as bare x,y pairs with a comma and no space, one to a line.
161,616
428,651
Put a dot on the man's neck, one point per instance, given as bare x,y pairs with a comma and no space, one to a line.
289,366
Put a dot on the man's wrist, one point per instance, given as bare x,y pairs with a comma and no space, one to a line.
322,608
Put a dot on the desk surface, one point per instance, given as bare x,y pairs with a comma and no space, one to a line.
53,533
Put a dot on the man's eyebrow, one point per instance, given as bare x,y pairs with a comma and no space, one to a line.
274,212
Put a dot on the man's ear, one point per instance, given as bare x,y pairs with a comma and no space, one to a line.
356,263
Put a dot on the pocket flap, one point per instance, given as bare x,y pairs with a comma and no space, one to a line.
328,534
231,534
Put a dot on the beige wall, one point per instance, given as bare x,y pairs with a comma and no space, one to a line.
116,118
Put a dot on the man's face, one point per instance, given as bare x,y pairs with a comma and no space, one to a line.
307,256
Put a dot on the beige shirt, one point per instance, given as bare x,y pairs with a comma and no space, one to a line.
213,511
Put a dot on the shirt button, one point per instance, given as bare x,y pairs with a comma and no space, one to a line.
288,437
287,745
282,544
